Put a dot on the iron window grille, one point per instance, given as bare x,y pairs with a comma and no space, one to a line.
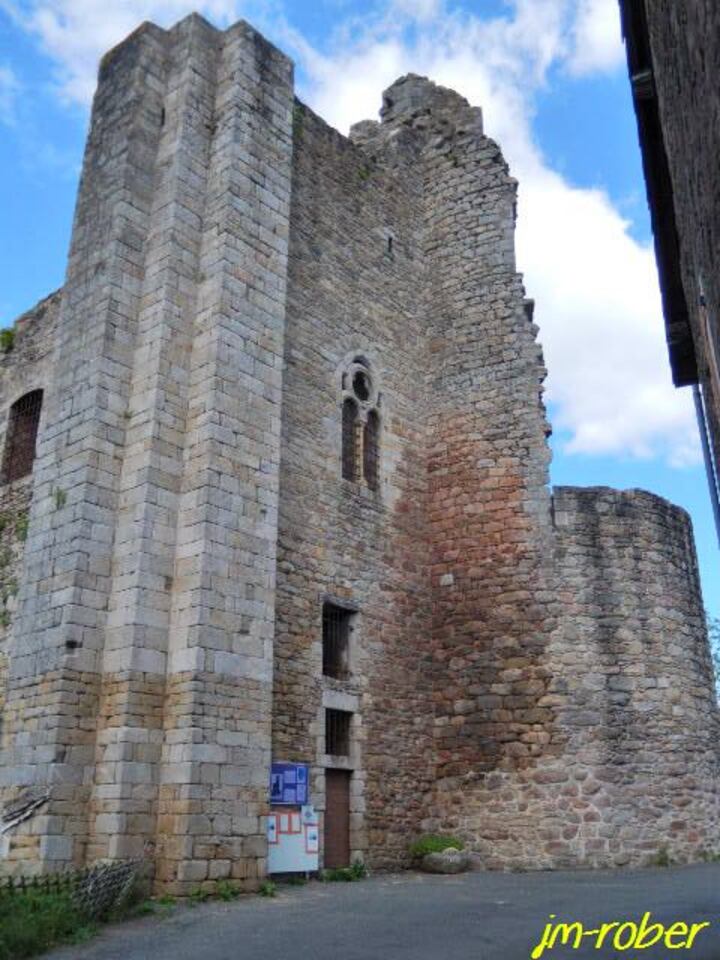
337,733
336,627
21,436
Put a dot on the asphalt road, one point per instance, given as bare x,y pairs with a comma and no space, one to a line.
476,916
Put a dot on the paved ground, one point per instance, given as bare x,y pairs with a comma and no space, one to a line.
477,916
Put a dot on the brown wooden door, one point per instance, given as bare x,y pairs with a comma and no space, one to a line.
337,819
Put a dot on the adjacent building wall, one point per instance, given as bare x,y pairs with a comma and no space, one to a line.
685,44
673,54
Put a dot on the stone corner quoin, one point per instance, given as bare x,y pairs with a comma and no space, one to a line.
274,487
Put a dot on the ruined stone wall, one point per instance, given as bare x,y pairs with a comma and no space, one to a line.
353,293
26,365
633,686
685,45
488,503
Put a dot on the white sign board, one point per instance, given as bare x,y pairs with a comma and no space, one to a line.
293,840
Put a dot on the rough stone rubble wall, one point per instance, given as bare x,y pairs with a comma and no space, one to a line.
633,684
685,45
351,295
488,502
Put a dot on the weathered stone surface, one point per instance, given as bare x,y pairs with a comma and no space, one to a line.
446,861
525,669
683,54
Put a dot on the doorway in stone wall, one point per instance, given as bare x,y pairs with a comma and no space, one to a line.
337,819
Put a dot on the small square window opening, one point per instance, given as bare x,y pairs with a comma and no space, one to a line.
337,733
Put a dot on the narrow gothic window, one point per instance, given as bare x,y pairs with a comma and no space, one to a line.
371,440
349,440
361,402
21,436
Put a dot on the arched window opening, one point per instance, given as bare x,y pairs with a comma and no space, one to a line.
21,436
371,449
349,440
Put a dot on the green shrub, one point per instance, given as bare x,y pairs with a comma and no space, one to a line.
199,895
7,339
434,843
267,888
33,922
226,890
662,858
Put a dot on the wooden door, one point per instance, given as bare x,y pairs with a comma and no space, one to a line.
337,819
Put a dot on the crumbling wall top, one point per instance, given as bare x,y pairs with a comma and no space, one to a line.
415,103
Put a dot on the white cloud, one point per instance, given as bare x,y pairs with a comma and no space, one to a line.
76,33
9,91
595,287
596,40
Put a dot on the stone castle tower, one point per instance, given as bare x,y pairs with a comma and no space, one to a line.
289,500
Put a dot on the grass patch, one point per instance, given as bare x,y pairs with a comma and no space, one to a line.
227,890
199,895
358,871
662,858
35,921
434,843
267,888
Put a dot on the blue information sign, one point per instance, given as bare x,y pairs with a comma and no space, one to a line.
289,784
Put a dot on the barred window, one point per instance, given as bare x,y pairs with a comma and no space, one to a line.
21,436
337,732
336,627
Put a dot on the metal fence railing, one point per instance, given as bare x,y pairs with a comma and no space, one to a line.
95,890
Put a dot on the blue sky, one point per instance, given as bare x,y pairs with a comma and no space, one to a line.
550,77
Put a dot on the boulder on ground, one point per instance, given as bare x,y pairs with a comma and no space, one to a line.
447,861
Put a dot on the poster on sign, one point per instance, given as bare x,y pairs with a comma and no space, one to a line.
289,784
